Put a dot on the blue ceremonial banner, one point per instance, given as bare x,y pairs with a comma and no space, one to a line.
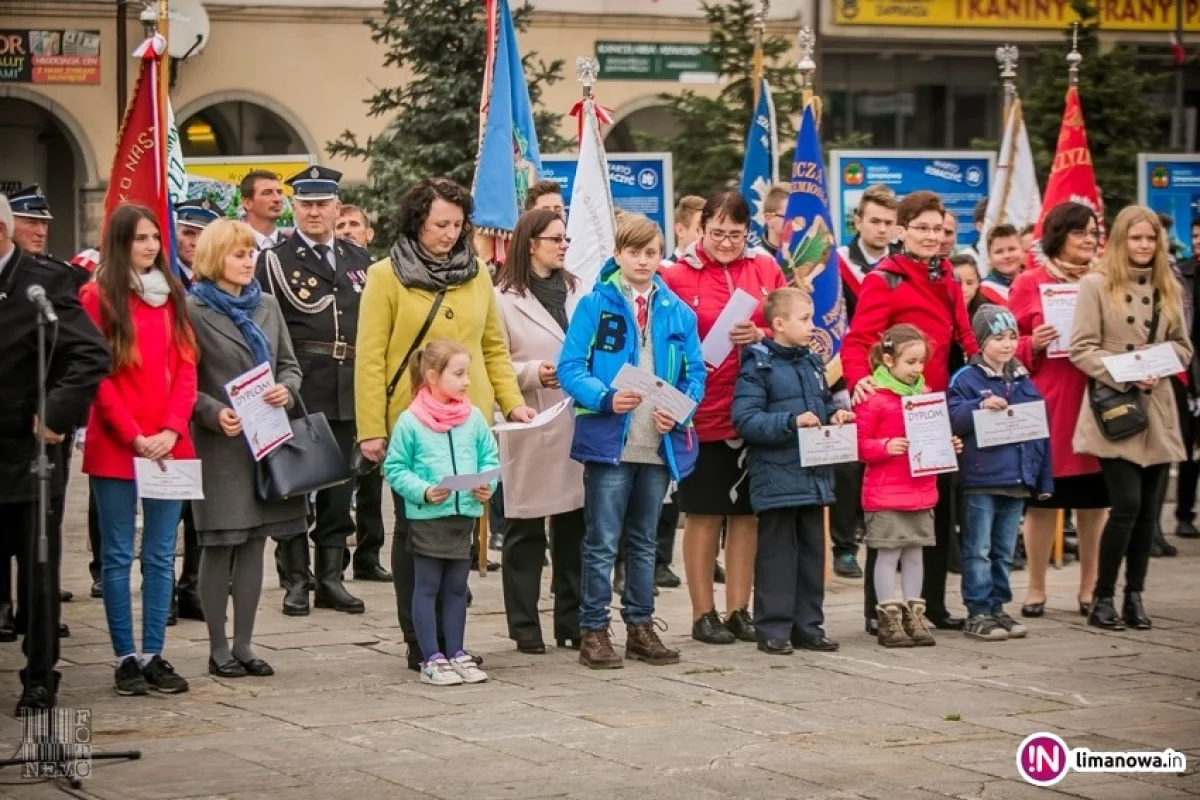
509,160
760,169
808,255
1170,184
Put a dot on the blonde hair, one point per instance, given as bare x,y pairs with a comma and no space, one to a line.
1116,266
433,357
781,301
689,207
637,231
220,238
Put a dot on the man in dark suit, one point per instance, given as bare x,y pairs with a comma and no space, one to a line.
80,360
318,280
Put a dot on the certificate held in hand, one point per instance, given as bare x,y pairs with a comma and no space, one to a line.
265,426
1023,422
930,441
1159,361
829,444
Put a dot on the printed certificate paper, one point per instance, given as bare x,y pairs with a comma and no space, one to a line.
466,483
716,346
1058,310
829,444
1159,361
169,479
927,428
1023,422
655,391
541,419
265,427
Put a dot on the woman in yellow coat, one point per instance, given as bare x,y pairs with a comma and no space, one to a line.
432,286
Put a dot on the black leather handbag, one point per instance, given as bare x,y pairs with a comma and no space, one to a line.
1121,413
309,462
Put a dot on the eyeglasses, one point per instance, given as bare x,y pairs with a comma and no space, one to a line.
922,230
1090,233
733,238
558,240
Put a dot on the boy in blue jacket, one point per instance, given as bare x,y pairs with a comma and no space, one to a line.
780,389
630,451
996,480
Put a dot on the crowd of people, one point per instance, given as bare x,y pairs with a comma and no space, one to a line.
415,358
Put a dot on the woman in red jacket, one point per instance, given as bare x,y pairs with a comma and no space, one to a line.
1070,236
705,278
142,410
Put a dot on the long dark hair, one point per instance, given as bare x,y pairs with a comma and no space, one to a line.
514,273
115,280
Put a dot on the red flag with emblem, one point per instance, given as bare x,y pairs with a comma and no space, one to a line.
1072,178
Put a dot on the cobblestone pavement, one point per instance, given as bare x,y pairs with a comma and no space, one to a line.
343,718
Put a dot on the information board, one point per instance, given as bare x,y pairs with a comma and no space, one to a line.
1170,184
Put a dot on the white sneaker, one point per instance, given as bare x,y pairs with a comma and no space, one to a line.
440,673
467,670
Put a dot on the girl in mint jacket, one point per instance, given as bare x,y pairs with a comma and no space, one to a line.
441,434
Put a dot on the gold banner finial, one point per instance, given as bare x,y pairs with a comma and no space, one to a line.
808,46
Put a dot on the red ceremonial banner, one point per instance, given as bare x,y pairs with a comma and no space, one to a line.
137,174
1072,178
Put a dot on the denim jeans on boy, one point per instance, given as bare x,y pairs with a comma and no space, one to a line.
990,527
628,498
116,502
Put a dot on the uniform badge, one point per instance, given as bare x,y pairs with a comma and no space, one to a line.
305,294
314,173
296,274
312,282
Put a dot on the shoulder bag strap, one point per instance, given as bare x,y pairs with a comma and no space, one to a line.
433,310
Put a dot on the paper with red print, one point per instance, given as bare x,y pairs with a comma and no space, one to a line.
927,428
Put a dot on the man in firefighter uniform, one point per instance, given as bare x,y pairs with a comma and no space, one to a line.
318,280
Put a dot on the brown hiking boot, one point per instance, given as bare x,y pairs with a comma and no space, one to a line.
596,651
915,625
642,643
891,625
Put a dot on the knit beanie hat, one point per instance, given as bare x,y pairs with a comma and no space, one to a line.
991,320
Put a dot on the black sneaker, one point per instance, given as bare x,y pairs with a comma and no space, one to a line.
666,578
161,677
986,628
846,566
129,679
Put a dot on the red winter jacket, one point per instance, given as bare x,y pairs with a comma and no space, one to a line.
888,484
156,394
936,308
706,286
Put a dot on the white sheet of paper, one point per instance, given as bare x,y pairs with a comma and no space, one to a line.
655,391
541,419
1158,361
828,445
927,428
169,479
466,483
265,427
1023,422
716,345
1058,310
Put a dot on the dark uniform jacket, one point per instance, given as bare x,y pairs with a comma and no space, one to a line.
80,361
320,307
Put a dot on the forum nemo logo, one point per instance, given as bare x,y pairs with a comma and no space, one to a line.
1044,759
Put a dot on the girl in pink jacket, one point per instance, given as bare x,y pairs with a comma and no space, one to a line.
898,507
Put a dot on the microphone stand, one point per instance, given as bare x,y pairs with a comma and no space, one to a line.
41,745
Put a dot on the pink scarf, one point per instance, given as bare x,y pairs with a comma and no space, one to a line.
439,417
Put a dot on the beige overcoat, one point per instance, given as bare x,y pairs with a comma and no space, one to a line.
1104,328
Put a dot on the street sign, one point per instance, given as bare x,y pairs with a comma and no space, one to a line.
686,62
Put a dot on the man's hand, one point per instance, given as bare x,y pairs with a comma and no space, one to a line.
277,396
625,401
373,449
842,417
897,447
435,496
745,332
862,390
482,493
994,403
808,420
45,434
1043,337
522,414
548,375
664,423
230,422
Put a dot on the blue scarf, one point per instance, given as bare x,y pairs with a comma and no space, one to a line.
241,310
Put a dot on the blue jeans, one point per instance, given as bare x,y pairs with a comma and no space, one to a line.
990,527
628,498
116,503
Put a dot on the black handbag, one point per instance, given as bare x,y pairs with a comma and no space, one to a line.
309,462
1121,413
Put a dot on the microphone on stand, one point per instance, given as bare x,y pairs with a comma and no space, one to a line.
37,296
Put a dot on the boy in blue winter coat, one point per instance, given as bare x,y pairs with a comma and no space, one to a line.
630,451
996,480
780,389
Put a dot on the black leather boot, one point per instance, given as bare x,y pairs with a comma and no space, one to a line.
8,624
331,592
291,554
1104,615
1135,613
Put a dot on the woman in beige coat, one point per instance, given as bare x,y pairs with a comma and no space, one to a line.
1114,316
540,480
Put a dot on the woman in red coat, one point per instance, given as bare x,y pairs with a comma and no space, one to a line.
705,278
142,410
1070,236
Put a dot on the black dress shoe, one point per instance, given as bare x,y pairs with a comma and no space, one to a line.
666,578
34,699
63,631
871,628
776,647
1186,530
1135,613
821,644
372,572
532,648
1103,614
1033,609
947,623
414,658
230,669
256,667
711,630
741,625
65,597
1084,608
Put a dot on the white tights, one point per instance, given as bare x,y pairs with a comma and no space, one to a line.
912,572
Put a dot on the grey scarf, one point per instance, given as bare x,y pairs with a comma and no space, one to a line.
552,294
416,270
153,287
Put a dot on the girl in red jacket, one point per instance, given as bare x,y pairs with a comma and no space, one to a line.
142,410
898,507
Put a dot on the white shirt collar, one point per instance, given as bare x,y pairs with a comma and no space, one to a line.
312,244
263,242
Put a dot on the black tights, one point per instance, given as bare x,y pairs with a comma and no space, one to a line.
1132,493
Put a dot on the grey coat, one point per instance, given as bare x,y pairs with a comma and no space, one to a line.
230,501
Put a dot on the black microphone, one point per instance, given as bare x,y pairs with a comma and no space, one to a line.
37,296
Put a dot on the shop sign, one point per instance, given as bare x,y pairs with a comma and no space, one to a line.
1114,15
69,57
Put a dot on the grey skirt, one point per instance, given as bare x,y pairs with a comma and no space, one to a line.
232,538
895,529
449,537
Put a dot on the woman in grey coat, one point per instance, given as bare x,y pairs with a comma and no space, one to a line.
237,329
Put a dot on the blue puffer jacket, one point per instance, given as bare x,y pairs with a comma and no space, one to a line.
1004,466
601,338
776,385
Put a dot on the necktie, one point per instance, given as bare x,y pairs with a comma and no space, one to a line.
322,250
641,313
